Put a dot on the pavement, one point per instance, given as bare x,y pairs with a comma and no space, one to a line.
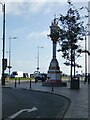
79,107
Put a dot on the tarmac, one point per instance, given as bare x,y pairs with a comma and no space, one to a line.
79,107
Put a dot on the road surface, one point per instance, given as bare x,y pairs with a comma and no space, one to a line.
22,103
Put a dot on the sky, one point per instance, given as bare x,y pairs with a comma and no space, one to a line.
29,21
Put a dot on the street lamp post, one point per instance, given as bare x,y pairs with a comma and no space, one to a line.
3,59
9,67
85,57
38,59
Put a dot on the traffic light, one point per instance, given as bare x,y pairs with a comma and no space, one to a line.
5,63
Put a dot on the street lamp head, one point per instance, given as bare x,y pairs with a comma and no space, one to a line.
3,7
15,37
81,8
12,37
42,47
69,1
1,3
7,51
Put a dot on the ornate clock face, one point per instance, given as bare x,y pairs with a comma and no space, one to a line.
54,33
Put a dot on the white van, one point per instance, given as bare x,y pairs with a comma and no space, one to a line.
16,74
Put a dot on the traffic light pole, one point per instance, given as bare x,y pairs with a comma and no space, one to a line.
3,65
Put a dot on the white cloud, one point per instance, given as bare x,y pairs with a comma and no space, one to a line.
48,11
21,65
36,6
14,8
17,7
43,0
5,1
36,35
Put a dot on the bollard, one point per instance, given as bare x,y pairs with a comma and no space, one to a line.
19,80
30,83
52,88
15,82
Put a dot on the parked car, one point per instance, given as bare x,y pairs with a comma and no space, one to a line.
41,76
36,73
6,75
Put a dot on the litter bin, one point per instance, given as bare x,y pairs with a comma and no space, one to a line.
75,83
88,78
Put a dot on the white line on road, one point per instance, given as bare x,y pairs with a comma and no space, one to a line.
19,112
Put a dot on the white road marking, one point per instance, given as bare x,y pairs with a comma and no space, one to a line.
23,110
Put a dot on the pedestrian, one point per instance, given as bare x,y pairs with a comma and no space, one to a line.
85,78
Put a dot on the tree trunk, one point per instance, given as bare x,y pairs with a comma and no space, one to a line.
74,63
71,64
